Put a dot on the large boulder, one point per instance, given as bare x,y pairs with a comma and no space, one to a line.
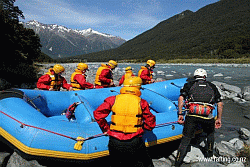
162,162
231,92
227,87
237,143
4,156
245,135
17,161
229,149
194,155
246,93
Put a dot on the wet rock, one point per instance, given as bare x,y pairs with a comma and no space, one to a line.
17,161
160,72
162,162
245,135
238,100
194,155
229,149
207,164
230,92
238,144
247,116
4,158
227,87
159,79
236,164
246,93
218,75
225,148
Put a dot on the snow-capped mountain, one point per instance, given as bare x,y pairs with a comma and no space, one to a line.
59,41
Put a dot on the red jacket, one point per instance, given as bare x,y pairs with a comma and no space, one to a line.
45,80
122,79
104,110
82,81
105,78
145,75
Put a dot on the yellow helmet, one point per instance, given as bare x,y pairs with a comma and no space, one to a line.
151,63
82,66
131,90
133,82
113,64
58,68
128,68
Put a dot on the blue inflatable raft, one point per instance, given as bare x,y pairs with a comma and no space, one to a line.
33,124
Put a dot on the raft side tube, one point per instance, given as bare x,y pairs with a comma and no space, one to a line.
51,103
166,89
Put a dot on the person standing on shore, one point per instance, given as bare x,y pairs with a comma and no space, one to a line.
130,117
201,96
145,73
104,75
128,74
53,80
78,78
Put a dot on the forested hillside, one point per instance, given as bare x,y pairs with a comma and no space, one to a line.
20,47
219,30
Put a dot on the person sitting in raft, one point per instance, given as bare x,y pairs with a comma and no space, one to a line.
78,78
53,80
145,73
104,75
128,74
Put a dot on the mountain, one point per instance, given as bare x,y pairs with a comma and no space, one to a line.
186,35
59,41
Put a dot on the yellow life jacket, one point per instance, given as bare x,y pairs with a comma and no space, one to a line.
56,81
98,73
150,75
140,71
127,112
75,85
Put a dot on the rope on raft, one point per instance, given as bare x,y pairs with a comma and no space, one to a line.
73,138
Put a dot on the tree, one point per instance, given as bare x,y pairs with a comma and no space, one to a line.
12,11
234,47
20,46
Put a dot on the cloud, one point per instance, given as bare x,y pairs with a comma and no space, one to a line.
144,14
48,11
126,17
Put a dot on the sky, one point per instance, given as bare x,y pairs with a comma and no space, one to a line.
123,18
